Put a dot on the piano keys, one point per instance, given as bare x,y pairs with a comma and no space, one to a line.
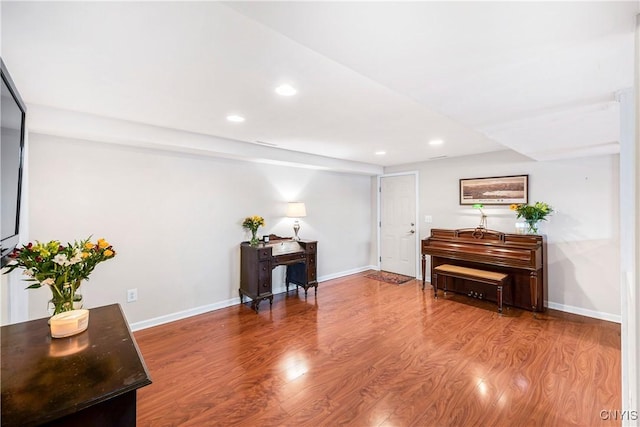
520,256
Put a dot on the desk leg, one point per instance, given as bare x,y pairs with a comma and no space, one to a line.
286,279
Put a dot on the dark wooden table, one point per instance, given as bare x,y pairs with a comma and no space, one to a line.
88,379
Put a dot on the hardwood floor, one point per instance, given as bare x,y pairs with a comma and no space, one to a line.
367,353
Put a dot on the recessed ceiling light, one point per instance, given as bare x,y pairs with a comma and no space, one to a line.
286,90
235,118
436,142
380,153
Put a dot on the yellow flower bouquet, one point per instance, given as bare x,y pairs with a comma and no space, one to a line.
532,214
253,223
60,267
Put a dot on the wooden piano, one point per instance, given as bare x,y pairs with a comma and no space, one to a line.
522,257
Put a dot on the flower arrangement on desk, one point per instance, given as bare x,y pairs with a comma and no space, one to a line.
253,223
532,214
61,268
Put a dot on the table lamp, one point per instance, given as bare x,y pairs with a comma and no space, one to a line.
483,216
296,210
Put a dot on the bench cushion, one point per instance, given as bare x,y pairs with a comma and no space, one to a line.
471,272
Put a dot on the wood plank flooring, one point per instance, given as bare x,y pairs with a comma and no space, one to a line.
368,353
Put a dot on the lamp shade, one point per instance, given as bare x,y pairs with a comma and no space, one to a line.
296,210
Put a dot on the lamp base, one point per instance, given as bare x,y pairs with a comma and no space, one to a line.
296,228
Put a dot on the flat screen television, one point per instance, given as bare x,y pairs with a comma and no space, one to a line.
12,115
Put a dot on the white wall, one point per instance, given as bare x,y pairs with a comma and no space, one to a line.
582,235
175,219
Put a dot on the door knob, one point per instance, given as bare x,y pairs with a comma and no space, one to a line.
411,231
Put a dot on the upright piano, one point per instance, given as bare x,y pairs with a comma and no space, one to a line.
520,256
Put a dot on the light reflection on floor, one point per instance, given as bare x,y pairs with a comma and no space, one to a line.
294,366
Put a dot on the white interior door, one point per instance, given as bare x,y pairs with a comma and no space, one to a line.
398,231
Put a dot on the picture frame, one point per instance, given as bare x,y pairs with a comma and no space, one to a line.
495,190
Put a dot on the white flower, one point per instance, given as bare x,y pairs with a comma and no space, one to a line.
48,282
28,272
75,259
61,259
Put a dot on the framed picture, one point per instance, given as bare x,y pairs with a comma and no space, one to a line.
497,190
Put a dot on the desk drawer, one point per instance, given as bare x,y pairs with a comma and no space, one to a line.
264,278
290,258
264,253
311,275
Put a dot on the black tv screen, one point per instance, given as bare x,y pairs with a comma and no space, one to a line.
12,116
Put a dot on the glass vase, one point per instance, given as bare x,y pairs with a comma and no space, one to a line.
254,239
64,301
532,227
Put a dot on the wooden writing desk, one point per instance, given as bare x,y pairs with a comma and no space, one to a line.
89,379
257,262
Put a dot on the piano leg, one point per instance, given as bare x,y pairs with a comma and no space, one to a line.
424,267
434,282
533,288
500,299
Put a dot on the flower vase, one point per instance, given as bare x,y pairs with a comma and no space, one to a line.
532,227
254,238
67,300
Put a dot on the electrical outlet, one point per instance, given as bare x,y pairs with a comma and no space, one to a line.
132,295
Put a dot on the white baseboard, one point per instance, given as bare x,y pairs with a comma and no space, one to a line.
347,273
577,310
585,312
172,317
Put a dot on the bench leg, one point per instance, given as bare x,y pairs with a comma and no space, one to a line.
500,299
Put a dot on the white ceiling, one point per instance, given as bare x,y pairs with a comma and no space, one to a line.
536,77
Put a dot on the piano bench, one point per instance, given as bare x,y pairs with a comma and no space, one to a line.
473,274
